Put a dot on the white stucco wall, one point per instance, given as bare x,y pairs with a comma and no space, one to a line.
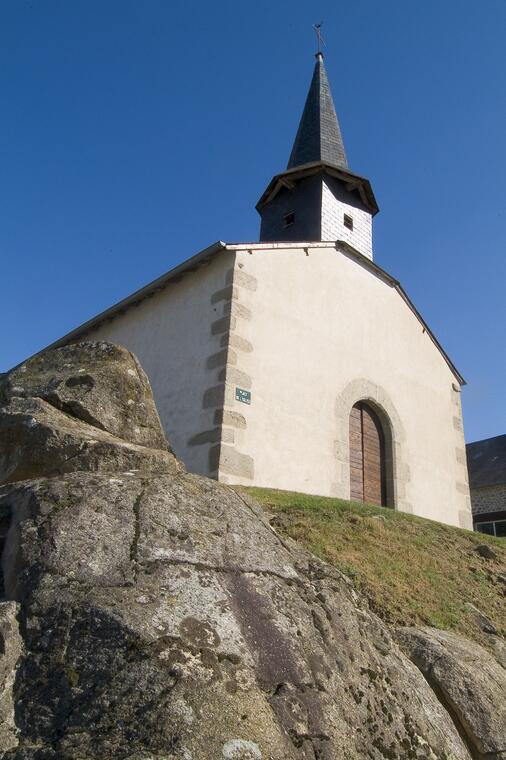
325,331
170,333
309,331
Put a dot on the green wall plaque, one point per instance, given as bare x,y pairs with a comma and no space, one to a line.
243,396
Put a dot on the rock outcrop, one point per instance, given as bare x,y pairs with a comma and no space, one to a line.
58,416
98,383
469,682
151,613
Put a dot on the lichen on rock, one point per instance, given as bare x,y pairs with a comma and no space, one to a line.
156,614
469,682
96,382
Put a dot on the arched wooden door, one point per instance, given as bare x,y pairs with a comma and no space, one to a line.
367,456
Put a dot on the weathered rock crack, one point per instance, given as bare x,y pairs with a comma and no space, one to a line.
156,614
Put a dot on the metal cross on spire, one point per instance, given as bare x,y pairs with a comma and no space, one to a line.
318,31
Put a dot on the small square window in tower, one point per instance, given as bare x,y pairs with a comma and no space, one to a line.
348,221
289,219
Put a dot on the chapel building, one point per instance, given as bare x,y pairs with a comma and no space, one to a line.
297,362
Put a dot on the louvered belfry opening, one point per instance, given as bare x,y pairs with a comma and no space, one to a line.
367,456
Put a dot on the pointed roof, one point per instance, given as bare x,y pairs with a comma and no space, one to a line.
319,136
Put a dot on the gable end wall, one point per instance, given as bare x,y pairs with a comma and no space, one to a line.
325,331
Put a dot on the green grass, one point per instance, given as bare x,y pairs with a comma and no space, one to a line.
413,571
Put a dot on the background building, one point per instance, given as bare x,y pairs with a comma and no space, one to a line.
486,461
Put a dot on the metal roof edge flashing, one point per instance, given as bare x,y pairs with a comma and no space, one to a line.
343,247
189,265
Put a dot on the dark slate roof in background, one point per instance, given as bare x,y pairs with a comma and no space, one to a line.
319,136
486,462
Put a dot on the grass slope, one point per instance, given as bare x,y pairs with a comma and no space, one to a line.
413,571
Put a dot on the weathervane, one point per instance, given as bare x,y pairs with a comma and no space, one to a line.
318,31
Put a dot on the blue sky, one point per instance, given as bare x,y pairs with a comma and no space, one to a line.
134,134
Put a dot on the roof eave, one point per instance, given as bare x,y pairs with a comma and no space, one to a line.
200,258
139,295
347,248
289,178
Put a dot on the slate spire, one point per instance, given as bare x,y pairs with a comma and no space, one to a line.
319,136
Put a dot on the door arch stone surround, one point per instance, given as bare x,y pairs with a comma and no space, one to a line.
373,394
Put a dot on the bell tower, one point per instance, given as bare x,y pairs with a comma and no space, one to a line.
317,197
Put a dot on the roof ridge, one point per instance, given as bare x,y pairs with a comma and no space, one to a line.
485,440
